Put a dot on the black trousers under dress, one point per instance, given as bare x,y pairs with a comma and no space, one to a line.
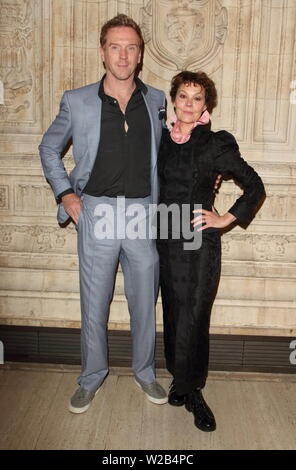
189,281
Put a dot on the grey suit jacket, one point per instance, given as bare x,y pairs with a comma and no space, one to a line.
79,118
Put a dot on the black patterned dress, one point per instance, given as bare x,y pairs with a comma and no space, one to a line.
189,278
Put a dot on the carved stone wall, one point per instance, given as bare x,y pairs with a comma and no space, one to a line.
248,48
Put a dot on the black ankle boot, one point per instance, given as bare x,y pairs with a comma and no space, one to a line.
173,398
203,416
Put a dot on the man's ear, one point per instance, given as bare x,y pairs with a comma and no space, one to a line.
102,56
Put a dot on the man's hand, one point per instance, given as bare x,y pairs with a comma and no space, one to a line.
72,205
217,183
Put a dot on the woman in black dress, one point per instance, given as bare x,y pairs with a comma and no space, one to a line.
190,158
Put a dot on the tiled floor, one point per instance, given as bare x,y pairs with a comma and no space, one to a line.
253,411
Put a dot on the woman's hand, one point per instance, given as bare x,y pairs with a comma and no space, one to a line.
211,219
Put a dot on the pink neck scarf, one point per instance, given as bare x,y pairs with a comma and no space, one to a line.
176,135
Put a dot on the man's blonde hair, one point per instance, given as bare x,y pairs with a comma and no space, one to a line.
121,20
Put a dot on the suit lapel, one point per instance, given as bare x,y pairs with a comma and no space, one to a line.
151,104
93,110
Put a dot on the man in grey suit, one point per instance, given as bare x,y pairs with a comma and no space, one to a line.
115,126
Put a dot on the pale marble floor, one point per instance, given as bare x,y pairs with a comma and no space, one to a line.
253,411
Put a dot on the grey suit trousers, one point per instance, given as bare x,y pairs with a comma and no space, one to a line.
99,254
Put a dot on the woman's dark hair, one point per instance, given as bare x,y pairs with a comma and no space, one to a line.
196,78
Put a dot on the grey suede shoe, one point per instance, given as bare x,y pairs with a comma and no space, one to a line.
154,392
81,400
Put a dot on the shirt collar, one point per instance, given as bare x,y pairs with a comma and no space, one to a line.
140,86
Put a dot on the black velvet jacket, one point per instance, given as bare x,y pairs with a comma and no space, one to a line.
188,171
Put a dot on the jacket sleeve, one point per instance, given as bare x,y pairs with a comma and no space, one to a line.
51,147
228,162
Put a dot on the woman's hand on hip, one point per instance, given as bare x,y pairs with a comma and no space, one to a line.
211,219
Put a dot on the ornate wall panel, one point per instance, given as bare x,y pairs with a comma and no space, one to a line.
248,48
21,66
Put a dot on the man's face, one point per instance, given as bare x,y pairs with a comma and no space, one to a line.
121,52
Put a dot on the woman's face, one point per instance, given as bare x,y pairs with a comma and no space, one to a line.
189,103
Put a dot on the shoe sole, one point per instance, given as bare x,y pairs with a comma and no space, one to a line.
156,401
176,404
78,411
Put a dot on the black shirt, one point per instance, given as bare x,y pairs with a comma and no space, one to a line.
122,166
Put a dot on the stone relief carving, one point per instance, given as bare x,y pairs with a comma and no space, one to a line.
278,205
181,34
16,40
35,238
236,245
3,197
260,246
34,198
